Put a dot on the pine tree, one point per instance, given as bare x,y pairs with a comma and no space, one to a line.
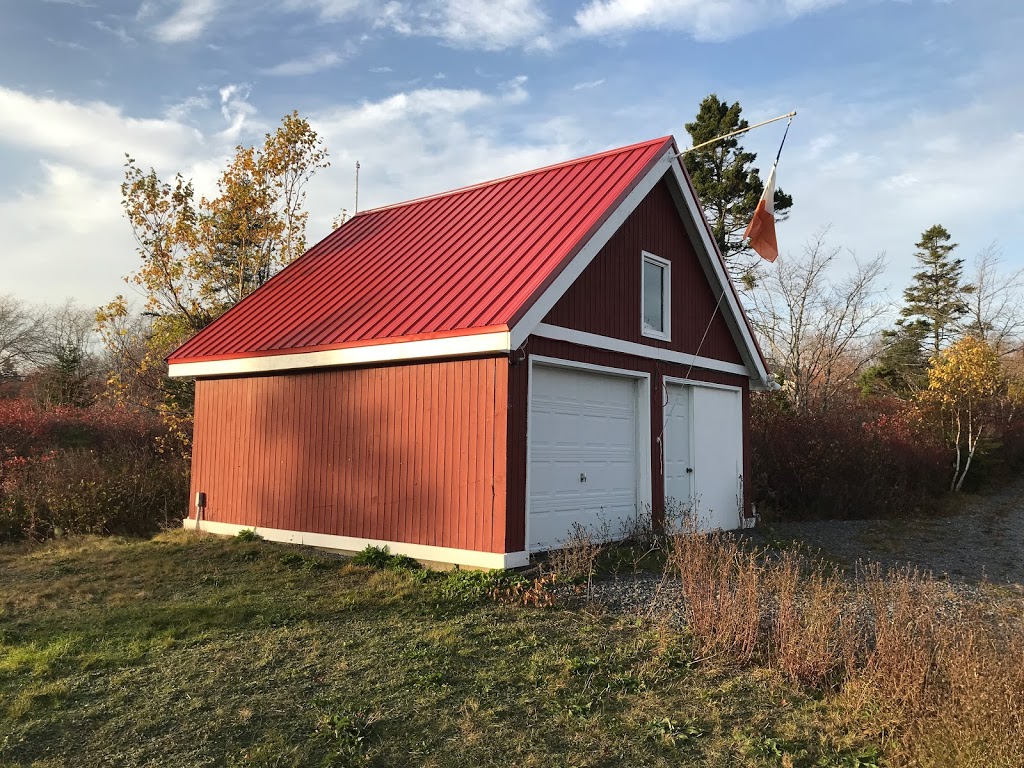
727,186
936,295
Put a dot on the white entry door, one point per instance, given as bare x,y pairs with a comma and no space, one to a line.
704,453
583,464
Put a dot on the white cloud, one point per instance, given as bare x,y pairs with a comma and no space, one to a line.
317,61
710,20
187,23
92,134
473,24
587,85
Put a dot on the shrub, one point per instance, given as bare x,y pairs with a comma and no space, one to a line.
126,490
867,458
85,470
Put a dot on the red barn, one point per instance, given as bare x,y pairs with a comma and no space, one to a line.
465,376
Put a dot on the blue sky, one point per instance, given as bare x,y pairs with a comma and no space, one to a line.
910,113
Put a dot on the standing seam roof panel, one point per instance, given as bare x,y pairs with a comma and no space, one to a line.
467,260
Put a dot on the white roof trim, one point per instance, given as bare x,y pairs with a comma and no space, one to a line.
453,346
536,313
668,163
611,344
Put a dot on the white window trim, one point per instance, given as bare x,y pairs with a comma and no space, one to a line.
666,297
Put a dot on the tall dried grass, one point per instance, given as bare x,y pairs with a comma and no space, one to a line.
934,680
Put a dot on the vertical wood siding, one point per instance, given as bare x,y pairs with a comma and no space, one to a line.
605,299
519,402
410,453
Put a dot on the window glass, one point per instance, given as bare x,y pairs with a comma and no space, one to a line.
654,297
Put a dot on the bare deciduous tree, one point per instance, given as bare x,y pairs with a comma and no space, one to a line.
996,308
21,331
817,327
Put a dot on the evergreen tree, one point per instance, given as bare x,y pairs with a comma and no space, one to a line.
935,297
902,366
934,304
727,185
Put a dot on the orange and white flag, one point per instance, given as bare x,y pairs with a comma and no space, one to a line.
761,229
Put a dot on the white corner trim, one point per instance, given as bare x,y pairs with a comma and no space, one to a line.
467,557
724,283
557,333
453,346
522,330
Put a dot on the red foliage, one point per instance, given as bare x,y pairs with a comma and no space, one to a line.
875,457
85,470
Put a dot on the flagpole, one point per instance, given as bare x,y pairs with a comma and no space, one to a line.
790,115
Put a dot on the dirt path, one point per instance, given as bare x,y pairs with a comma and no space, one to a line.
985,540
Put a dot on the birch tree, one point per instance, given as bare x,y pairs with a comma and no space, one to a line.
965,382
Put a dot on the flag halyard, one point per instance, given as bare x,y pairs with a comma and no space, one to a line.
761,229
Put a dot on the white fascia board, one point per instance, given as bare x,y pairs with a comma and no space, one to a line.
453,346
668,163
724,283
536,313
466,557
557,333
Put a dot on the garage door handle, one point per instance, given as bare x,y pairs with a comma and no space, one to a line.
689,470
583,477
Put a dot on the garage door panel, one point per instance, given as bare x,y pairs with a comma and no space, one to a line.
582,423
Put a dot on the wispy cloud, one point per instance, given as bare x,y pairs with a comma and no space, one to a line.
489,25
708,20
188,22
588,84
380,70
119,31
306,65
69,44
78,3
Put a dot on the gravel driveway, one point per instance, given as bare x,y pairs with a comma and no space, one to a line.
985,540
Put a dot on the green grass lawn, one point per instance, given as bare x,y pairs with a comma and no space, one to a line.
188,650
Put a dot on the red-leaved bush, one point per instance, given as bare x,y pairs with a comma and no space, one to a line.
866,458
85,470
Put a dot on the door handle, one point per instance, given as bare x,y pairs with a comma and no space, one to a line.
689,470
583,477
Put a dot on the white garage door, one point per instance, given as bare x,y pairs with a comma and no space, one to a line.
704,452
583,453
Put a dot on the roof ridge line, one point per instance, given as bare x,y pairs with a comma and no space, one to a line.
521,174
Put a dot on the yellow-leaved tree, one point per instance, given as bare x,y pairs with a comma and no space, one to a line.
200,259
968,385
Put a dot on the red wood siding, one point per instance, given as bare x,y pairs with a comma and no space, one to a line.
410,453
519,401
605,299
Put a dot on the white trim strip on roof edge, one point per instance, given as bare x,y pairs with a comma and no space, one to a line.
761,378
453,346
640,350
467,557
667,163
540,308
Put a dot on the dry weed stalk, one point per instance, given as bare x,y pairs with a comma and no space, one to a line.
942,684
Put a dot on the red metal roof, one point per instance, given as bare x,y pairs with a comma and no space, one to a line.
468,261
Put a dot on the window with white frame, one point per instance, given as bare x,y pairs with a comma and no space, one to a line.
656,287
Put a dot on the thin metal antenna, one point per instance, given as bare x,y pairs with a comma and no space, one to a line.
356,207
